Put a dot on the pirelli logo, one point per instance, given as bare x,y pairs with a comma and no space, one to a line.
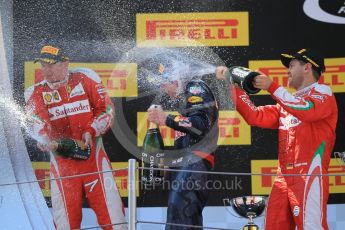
333,77
261,185
119,79
233,130
192,29
42,172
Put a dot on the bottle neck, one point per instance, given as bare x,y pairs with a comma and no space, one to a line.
153,125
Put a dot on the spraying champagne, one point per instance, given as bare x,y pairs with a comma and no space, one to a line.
67,147
243,77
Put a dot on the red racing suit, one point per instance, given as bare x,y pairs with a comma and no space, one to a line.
306,121
79,106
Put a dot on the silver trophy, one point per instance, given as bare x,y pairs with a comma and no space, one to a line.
248,207
340,156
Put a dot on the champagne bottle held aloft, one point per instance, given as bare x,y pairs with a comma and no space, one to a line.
152,155
243,77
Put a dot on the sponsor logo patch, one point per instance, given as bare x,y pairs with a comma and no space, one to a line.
183,121
195,89
48,98
68,89
69,109
246,100
296,211
288,122
76,91
195,99
319,97
50,50
179,134
100,89
178,160
51,97
56,96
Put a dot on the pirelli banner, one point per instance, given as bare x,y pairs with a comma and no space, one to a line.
261,185
120,79
192,29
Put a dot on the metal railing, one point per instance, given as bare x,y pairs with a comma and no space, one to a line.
132,179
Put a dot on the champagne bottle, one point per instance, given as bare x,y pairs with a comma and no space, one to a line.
243,77
67,147
152,155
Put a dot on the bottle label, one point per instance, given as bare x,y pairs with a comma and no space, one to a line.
155,155
241,72
151,161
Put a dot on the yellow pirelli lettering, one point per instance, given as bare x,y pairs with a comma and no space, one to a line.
233,129
193,29
261,185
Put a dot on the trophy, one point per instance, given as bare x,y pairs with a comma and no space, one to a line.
243,77
340,156
247,206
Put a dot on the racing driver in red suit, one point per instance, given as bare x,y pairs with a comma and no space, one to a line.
74,104
306,121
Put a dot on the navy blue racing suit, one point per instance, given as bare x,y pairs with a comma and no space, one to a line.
196,135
